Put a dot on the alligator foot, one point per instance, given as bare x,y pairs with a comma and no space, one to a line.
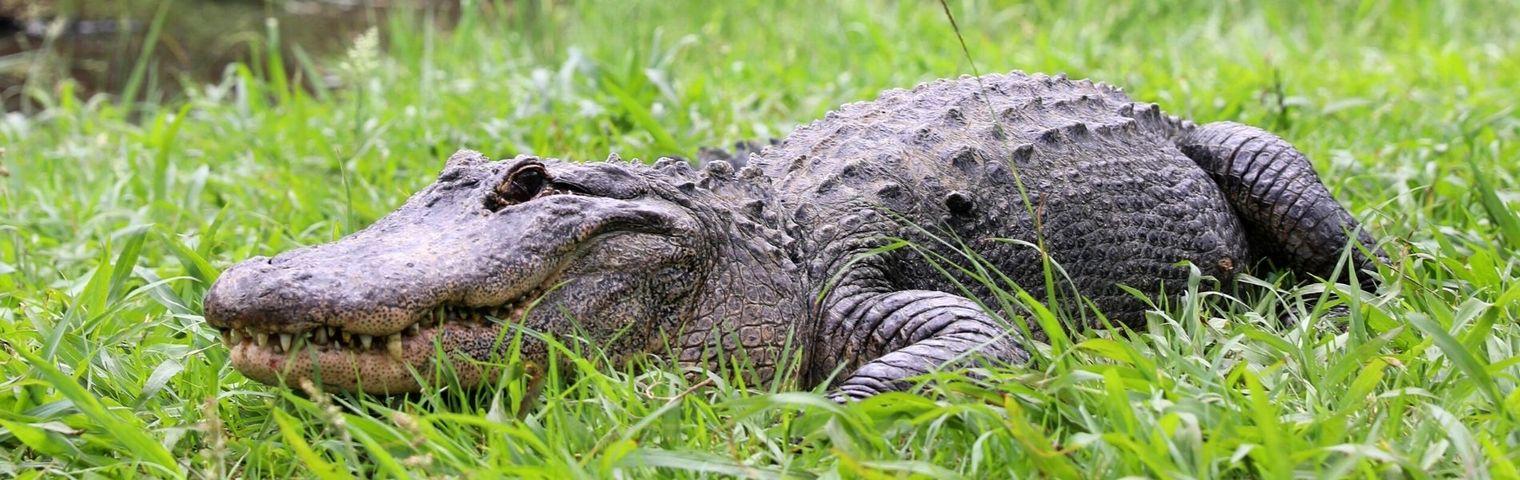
909,333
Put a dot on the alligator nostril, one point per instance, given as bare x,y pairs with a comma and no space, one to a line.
959,203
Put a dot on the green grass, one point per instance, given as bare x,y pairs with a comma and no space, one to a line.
115,217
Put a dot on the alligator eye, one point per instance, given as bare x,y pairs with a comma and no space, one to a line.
524,183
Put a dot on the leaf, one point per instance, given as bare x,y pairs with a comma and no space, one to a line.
1459,356
1356,359
644,119
1264,416
156,381
149,45
195,265
125,260
1275,341
1118,400
42,440
1461,439
92,299
129,435
1369,377
1107,348
292,435
1041,447
164,142
378,453
700,462
1502,216
1502,466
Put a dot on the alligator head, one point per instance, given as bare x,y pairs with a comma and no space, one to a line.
599,249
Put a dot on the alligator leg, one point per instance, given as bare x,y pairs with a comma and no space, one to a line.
892,336
1289,214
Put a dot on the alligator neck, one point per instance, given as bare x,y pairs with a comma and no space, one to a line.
751,307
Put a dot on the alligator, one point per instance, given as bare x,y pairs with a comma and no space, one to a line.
822,260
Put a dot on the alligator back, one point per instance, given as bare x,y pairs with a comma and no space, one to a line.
1108,192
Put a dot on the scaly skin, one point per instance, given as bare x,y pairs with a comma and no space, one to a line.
727,263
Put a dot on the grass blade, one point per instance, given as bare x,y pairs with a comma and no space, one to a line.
1459,356
1498,212
314,462
140,69
128,434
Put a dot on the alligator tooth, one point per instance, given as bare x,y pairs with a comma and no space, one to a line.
237,336
348,337
321,336
226,336
366,340
285,341
262,338
393,346
414,329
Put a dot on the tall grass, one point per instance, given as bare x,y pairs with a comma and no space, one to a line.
117,214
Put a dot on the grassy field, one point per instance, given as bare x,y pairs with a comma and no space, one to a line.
116,215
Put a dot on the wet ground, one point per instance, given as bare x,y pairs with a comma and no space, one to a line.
98,43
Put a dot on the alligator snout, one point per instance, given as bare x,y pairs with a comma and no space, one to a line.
305,289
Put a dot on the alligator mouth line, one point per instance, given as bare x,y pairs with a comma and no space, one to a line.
333,339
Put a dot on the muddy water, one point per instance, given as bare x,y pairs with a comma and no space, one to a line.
98,43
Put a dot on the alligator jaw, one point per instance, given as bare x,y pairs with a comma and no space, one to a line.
335,338
384,364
